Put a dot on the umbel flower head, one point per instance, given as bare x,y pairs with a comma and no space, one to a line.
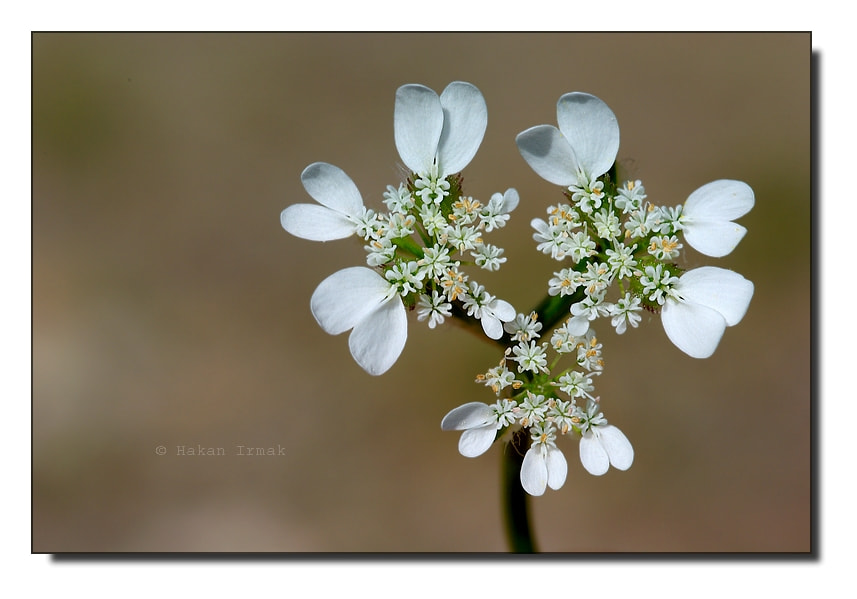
415,251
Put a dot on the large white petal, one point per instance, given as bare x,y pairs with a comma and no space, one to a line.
593,456
378,339
492,327
557,468
345,298
469,415
503,310
619,449
417,123
330,186
549,154
592,130
465,117
316,223
693,328
721,200
534,472
476,441
713,238
718,288
577,325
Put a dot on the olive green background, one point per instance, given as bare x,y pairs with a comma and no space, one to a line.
170,308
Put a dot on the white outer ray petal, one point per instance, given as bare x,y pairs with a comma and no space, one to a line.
330,186
721,200
503,310
492,326
577,325
693,328
591,129
713,238
720,289
378,339
417,124
557,468
469,415
593,456
476,441
465,117
511,199
316,223
534,472
345,298
548,153
619,449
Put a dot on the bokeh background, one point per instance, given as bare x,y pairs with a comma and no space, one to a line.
170,308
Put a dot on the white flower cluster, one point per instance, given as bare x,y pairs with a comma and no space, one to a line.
607,237
414,250
546,405
618,253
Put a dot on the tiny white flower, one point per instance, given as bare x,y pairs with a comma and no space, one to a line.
498,378
630,196
664,247
589,352
607,224
435,261
561,413
340,211
443,131
465,210
704,302
360,299
525,327
463,237
552,238
586,141
564,282
492,312
435,308
621,261
543,465
488,256
708,214
576,384
496,213
380,251
480,423
579,245
398,200
603,445
624,312
406,277
530,357
533,409
658,283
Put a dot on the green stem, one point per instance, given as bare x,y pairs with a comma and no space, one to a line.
515,499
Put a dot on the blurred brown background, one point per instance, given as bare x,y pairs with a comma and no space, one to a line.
170,308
